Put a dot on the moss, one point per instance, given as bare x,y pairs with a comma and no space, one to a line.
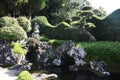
18,48
25,75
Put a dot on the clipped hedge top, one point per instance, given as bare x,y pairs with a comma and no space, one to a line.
12,33
7,21
42,21
24,23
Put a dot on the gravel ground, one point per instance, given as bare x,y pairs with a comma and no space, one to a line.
6,74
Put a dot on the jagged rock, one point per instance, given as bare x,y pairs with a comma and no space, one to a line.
44,76
21,67
6,55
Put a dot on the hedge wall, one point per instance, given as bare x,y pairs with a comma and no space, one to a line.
108,28
62,31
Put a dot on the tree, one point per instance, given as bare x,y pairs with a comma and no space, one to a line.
85,14
17,8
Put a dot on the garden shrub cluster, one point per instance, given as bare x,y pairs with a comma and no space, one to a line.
7,21
12,33
62,31
25,75
13,29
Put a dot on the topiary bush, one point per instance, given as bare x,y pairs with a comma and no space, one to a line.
8,21
25,75
24,23
62,31
41,20
12,33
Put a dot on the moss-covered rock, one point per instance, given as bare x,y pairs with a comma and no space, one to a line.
24,23
18,49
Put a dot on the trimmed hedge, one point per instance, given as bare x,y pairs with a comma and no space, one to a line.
63,31
106,51
8,21
12,33
107,28
24,23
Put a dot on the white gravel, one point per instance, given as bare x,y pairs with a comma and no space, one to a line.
6,74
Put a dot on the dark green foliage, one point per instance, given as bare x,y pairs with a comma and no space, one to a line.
25,75
107,51
24,23
108,28
43,38
63,31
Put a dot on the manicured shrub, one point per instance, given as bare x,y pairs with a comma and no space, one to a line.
24,23
63,31
41,20
25,75
8,21
12,33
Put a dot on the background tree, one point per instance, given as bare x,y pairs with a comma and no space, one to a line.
17,8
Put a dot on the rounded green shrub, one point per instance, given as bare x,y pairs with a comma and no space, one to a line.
12,33
25,75
63,25
41,20
8,21
24,23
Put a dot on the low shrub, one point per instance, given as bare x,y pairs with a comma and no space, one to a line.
25,75
106,51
